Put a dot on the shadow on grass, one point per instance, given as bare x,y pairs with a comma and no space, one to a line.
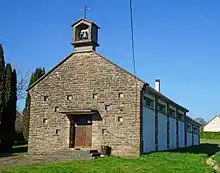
16,150
209,149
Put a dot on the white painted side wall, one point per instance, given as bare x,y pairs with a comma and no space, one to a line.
189,139
181,134
195,139
148,130
213,125
172,133
162,132
148,120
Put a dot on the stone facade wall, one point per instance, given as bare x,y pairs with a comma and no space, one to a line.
82,75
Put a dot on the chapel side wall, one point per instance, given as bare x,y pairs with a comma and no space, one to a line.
172,132
189,134
181,126
81,76
196,140
162,132
189,139
160,126
148,121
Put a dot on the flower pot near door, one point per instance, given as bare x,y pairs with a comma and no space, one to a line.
105,150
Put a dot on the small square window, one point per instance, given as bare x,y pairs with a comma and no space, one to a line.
94,96
120,119
104,131
69,97
44,121
46,98
57,132
107,107
57,109
121,95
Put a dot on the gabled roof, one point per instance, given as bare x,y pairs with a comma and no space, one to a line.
86,21
165,98
31,86
146,85
193,121
212,119
42,77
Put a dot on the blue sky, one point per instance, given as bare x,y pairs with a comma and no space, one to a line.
175,41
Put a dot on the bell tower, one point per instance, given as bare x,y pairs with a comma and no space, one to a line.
85,36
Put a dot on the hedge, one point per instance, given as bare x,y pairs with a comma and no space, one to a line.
210,135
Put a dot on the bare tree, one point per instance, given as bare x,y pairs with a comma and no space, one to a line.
22,82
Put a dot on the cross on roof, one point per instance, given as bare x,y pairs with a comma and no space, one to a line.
85,9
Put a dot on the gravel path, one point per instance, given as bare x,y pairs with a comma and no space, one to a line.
39,159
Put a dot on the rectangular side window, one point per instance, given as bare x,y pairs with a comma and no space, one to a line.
149,102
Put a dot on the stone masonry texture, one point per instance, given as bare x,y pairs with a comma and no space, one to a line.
81,76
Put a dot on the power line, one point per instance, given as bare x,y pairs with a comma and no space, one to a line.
133,56
132,37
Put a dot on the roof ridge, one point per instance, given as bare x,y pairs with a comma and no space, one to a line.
144,83
120,67
79,20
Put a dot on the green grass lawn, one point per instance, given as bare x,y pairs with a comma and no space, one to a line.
187,160
153,163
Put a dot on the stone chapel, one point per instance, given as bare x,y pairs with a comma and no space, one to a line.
87,101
